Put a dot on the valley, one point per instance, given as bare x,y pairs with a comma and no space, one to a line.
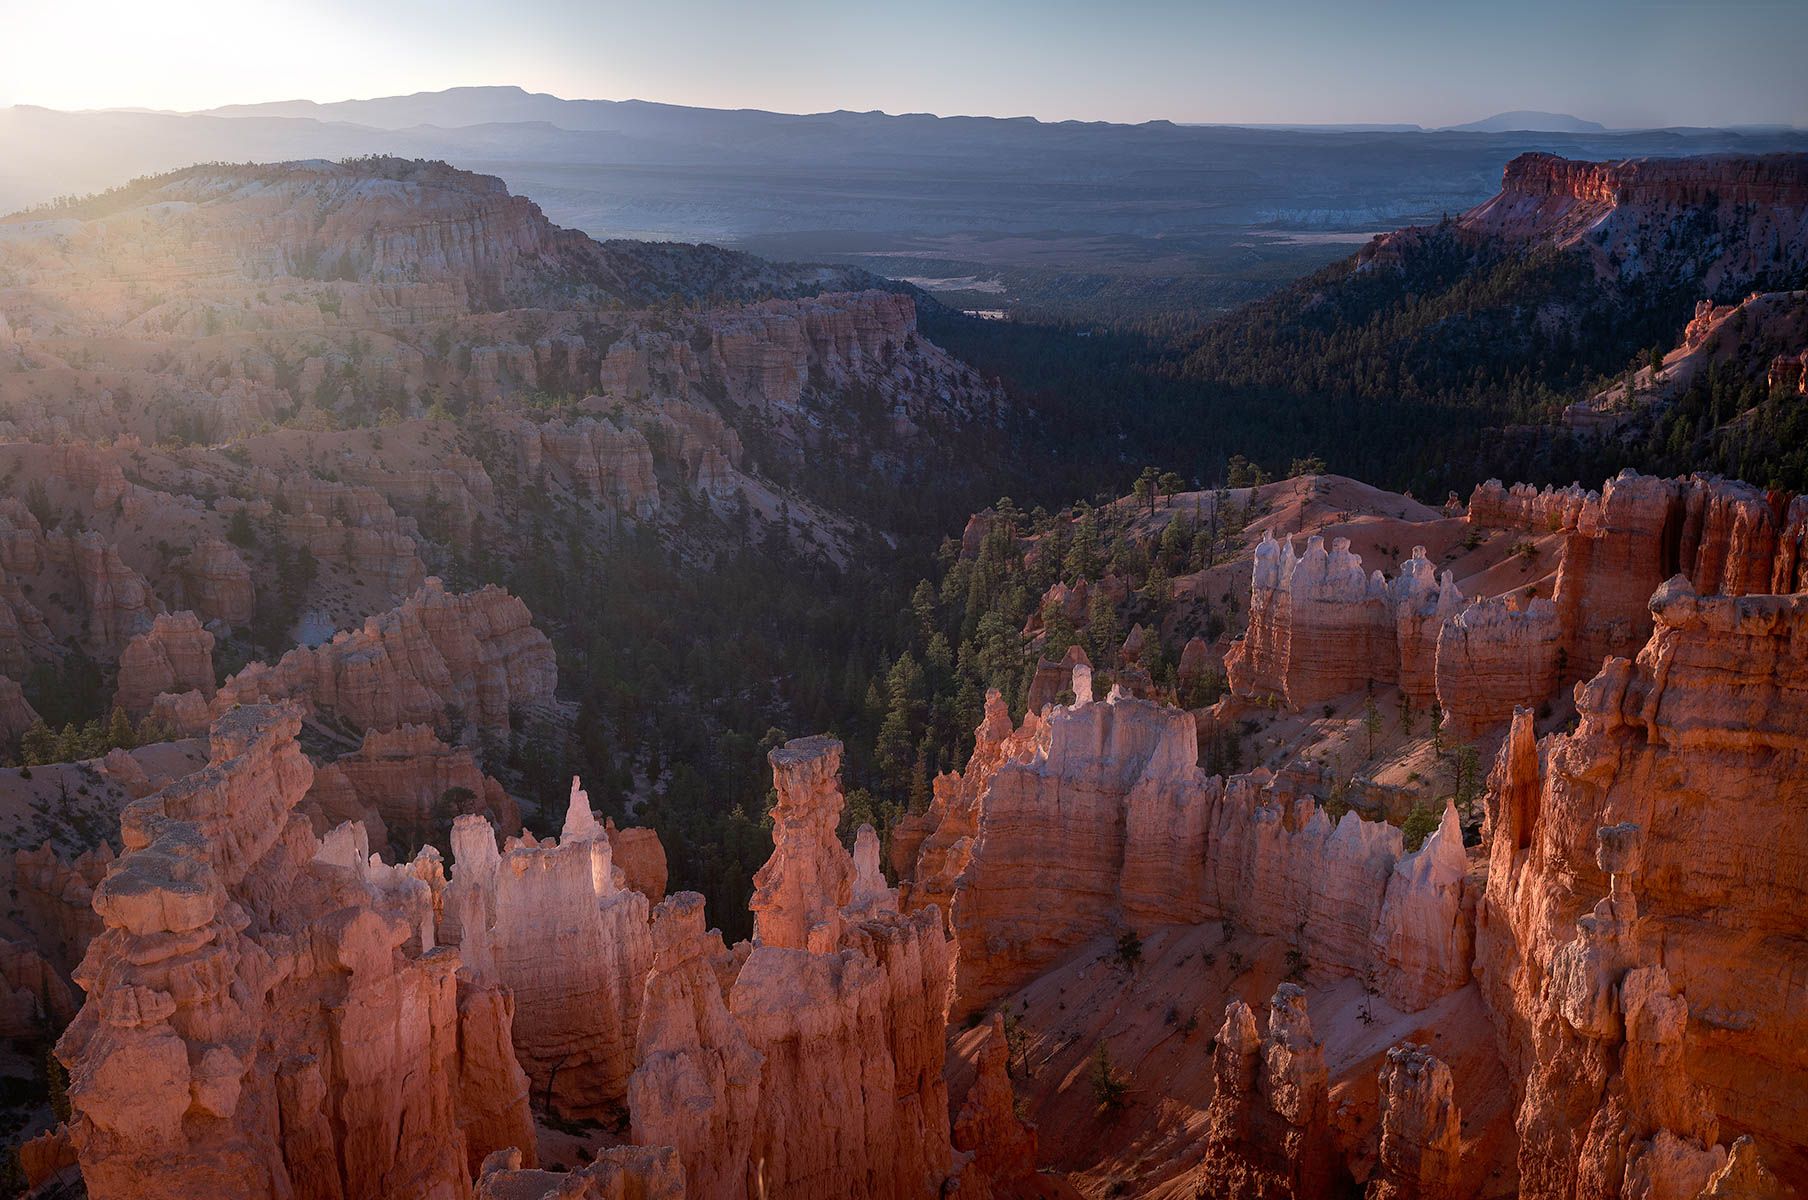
495,714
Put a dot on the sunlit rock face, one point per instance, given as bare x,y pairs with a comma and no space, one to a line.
556,925
268,1014
1642,876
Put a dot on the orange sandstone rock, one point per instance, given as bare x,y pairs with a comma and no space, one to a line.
1421,1130
696,1081
556,924
268,1016
477,653
174,655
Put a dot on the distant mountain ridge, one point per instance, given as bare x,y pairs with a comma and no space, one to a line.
1069,220
1529,121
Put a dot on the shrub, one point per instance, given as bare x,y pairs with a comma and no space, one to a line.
1109,1089
1420,824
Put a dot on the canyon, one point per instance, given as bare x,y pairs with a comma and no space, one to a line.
1376,849
1241,986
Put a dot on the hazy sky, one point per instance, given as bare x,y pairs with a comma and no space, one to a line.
1622,62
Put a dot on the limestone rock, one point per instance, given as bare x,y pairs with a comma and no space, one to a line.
1421,1130
175,655
1688,745
798,895
988,1128
641,856
1493,657
1320,627
696,1081
1268,1131
477,653
118,602
556,924
1424,936
407,787
267,1016
220,583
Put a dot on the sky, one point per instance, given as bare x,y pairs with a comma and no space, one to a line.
1624,63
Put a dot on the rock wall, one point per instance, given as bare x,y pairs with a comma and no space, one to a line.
557,926
1421,1129
267,1015
1643,881
477,654
174,655
696,1081
1096,818
1320,628
406,788
1493,657
820,1075
1268,1129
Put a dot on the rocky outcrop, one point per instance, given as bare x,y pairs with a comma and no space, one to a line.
1640,882
1319,627
475,654
931,850
611,465
1524,508
556,924
618,1173
1772,179
34,1000
1097,817
1425,934
219,583
57,897
641,856
852,1100
1000,1147
16,713
407,787
696,1081
1268,1128
1495,656
800,892
174,655
118,602
1421,1130
268,1015
1052,678
841,1006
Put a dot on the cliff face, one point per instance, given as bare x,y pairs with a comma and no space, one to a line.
1610,210
268,1015
478,653
175,655
808,1064
1320,627
1100,819
406,788
1773,180
557,926
1618,947
1268,1131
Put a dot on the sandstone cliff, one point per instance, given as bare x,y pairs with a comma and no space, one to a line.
1604,937
266,1016
476,653
557,926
